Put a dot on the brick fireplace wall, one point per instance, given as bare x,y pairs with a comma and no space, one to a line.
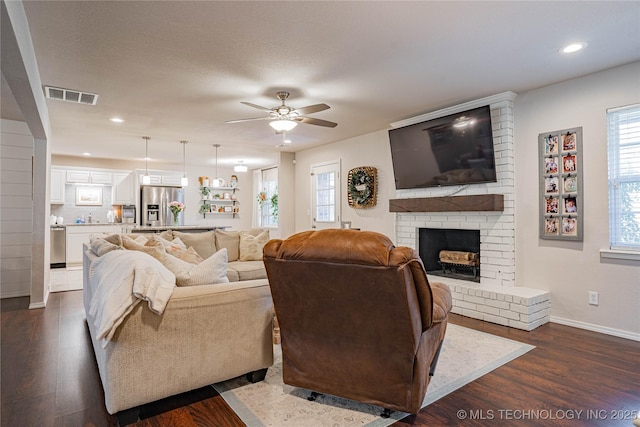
497,229
496,298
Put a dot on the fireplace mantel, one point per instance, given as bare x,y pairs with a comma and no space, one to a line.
476,203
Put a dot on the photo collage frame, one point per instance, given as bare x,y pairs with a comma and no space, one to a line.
561,191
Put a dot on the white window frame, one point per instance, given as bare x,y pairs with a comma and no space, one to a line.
268,183
335,167
623,137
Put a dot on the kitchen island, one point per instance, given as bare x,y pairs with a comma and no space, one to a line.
133,228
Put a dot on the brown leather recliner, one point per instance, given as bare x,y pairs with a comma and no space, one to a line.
358,317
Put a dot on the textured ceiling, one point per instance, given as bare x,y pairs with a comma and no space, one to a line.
179,70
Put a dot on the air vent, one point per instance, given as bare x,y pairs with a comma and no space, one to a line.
71,95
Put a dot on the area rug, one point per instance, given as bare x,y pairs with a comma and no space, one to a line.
465,356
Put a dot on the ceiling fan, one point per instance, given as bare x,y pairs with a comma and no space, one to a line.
284,118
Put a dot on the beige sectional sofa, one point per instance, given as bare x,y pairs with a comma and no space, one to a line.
206,334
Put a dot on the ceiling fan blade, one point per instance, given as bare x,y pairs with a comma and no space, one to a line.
318,122
259,107
248,120
309,109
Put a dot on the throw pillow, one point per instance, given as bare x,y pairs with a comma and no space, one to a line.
210,271
190,256
174,247
133,245
101,246
231,241
203,243
251,246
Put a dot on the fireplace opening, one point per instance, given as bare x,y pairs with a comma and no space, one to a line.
450,252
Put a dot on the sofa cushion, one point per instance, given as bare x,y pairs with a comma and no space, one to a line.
247,270
203,243
232,274
210,271
251,246
229,240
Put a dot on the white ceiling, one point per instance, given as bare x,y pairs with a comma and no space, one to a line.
178,70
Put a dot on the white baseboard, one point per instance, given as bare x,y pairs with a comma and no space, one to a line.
13,295
42,304
596,328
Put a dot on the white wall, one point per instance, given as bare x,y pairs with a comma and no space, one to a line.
570,269
16,209
366,150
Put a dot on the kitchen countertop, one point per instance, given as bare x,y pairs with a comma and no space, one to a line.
177,227
73,224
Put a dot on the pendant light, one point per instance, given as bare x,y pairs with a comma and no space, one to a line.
240,167
217,182
146,179
184,181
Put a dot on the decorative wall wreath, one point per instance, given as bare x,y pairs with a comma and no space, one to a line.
361,187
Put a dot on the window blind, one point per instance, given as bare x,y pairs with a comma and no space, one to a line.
623,137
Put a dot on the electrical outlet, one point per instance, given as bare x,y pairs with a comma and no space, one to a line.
593,298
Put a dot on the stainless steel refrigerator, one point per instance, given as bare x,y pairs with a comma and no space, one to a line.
154,205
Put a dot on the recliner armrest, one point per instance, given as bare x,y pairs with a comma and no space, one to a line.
442,301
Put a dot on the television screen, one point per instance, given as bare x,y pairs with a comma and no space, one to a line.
452,150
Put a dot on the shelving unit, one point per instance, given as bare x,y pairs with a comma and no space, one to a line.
229,205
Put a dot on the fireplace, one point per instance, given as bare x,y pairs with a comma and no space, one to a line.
431,241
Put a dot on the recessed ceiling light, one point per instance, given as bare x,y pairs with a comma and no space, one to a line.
86,154
116,120
573,47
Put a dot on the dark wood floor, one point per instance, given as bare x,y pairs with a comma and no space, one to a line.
49,378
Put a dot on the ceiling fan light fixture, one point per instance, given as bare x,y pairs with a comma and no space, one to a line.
283,125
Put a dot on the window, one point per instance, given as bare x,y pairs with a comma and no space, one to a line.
325,200
623,135
268,198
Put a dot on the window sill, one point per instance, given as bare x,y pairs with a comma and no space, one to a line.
619,254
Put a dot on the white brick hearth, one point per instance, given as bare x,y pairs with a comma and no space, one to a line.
496,299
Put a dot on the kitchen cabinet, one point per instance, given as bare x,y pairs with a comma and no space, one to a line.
88,177
173,180
77,235
57,186
123,192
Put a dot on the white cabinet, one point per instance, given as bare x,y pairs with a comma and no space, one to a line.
88,177
57,186
101,178
82,177
79,234
123,191
171,180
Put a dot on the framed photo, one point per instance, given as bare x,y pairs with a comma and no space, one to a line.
89,196
551,226
551,165
551,206
569,184
570,226
569,141
551,144
228,208
570,206
561,195
569,163
551,185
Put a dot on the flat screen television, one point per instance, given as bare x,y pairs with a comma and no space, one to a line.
452,150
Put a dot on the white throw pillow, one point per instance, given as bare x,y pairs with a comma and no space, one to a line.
251,246
210,271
